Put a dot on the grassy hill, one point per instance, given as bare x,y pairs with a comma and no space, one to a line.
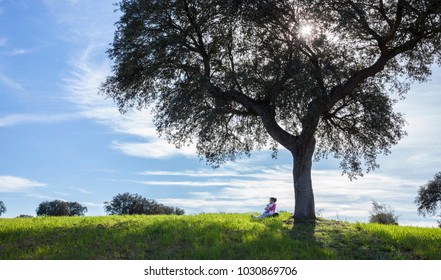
210,236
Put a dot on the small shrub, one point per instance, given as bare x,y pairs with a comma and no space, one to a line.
382,214
25,216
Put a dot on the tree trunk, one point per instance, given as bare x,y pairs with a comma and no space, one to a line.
304,208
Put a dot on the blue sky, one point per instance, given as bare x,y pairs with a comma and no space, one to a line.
59,139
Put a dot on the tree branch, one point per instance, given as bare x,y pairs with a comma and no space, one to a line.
263,110
200,40
364,22
233,67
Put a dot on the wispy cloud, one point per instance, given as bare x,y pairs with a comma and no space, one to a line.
89,70
17,184
190,183
192,173
81,17
92,204
17,52
81,190
9,83
105,170
18,119
44,197
62,193
152,148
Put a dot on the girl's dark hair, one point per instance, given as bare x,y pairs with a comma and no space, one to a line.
273,199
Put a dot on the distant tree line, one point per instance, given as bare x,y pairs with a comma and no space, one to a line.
121,204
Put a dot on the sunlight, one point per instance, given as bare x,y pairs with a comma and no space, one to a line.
305,30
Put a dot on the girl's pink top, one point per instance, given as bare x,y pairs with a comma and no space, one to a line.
271,208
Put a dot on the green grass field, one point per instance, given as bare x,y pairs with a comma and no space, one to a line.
210,236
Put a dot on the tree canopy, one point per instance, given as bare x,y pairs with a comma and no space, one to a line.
234,76
428,199
133,204
60,208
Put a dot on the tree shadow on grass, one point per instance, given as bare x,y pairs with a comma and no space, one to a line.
327,239
304,230
337,240
309,247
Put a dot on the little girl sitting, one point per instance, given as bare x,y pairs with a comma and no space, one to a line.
270,209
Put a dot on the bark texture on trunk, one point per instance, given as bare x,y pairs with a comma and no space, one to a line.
303,193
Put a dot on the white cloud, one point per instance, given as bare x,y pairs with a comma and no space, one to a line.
9,83
62,193
43,197
16,52
17,184
191,183
92,204
217,204
155,149
20,52
83,191
18,119
192,173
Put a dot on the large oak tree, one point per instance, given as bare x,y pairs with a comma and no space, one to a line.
239,75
